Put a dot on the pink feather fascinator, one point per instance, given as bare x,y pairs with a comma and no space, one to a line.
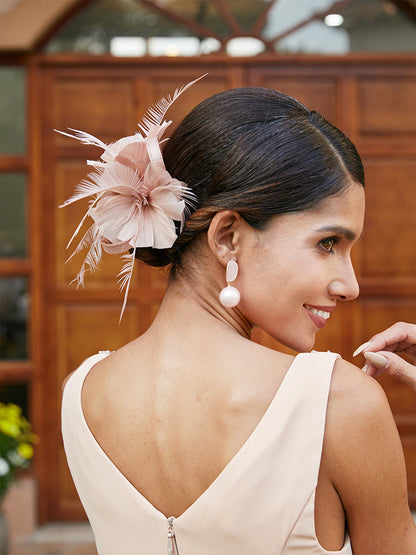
135,201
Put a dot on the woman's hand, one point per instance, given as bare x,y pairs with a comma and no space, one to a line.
380,350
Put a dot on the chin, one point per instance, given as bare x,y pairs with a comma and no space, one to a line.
301,345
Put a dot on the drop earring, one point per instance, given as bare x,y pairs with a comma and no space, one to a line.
230,296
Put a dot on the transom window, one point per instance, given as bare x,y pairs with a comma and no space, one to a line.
237,27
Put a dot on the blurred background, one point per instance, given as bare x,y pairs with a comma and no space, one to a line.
96,65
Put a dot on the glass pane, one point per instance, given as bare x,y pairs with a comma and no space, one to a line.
16,394
92,29
202,12
12,110
12,215
373,25
246,12
14,309
379,26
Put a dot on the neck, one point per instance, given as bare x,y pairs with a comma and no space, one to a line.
190,308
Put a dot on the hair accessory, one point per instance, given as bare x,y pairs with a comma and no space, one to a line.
230,296
136,202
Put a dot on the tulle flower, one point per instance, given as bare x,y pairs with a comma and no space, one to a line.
135,201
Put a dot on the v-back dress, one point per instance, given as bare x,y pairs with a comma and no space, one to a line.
262,503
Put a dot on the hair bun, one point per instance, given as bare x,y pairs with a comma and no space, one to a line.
158,258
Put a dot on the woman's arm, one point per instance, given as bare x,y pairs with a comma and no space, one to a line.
365,457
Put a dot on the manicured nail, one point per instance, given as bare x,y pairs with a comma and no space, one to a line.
361,348
364,368
376,359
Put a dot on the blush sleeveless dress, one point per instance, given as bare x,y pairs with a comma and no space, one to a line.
262,503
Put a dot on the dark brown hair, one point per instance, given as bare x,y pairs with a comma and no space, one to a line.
258,152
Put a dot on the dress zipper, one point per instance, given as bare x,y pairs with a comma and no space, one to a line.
172,545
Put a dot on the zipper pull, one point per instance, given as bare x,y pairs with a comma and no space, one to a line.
171,537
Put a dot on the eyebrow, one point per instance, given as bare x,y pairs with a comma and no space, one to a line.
339,230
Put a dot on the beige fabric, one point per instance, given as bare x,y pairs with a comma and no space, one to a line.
262,503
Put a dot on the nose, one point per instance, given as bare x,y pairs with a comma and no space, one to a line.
345,287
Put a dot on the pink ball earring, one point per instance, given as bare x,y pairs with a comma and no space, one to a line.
230,296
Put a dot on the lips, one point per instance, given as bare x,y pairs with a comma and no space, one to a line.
319,314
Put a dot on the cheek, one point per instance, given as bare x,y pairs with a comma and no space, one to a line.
259,275
281,285
269,293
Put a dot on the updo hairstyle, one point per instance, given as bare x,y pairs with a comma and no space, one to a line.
258,152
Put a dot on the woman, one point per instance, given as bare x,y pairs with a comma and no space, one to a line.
192,439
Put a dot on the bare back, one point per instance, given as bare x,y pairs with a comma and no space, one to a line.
172,428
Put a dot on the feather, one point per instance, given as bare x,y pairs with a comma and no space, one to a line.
96,163
92,257
185,198
85,138
113,149
154,152
165,200
115,248
85,216
85,241
125,276
116,216
105,182
134,155
122,180
110,151
155,114
85,188
155,229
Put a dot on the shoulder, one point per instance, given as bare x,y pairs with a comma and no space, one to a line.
359,425
84,367
358,412
353,390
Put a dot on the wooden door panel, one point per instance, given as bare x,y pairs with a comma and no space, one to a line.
85,329
102,106
386,107
317,90
388,246
82,330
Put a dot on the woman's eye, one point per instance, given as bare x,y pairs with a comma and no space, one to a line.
328,243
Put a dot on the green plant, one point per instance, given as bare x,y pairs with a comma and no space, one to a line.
16,444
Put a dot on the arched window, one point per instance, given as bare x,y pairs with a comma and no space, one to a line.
237,27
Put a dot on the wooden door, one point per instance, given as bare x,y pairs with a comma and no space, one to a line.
107,100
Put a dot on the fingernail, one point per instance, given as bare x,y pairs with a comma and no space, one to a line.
376,359
364,368
361,348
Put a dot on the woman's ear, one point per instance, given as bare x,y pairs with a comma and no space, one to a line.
224,235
